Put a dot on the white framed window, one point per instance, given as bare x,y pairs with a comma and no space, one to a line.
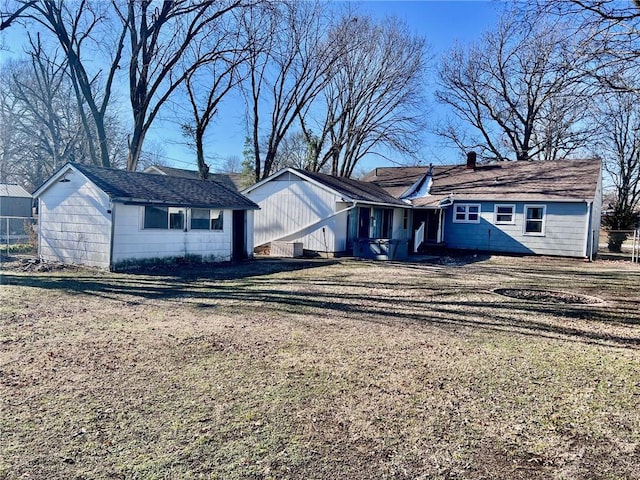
206,219
504,214
466,213
534,220
155,217
163,218
177,218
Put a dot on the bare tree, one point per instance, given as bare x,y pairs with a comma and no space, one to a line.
159,36
230,164
42,126
610,34
219,56
374,99
80,29
520,90
289,66
618,143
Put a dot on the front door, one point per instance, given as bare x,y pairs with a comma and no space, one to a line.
364,222
238,243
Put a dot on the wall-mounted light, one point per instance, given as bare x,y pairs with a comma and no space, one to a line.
64,178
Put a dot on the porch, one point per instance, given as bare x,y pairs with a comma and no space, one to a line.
428,231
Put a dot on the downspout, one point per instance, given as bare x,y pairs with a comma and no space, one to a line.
588,246
39,230
111,240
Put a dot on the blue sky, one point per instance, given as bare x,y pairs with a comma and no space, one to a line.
440,22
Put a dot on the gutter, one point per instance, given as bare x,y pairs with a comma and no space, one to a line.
142,201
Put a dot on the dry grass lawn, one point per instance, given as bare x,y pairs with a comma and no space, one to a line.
321,370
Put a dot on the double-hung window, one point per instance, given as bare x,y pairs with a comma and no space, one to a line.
466,213
505,214
534,219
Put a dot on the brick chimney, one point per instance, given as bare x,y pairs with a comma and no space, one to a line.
471,161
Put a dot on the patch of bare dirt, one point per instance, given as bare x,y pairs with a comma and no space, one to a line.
548,296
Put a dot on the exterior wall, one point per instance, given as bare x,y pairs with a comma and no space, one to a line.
74,223
564,235
399,231
132,243
296,210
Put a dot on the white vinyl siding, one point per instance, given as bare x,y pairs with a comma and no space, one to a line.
75,223
133,242
296,210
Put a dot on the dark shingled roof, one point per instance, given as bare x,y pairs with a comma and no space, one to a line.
353,189
231,180
168,190
525,181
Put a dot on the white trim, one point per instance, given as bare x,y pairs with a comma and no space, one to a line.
466,207
504,205
543,221
587,232
299,175
64,170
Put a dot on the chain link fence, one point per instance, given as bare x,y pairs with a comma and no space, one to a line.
619,245
17,231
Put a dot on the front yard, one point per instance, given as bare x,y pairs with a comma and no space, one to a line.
322,370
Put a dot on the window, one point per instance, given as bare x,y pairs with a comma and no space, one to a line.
216,220
382,221
405,219
534,219
200,218
156,217
205,219
504,214
176,218
466,213
164,218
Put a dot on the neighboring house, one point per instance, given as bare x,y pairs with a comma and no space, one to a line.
231,180
16,207
112,218
543,208
329,214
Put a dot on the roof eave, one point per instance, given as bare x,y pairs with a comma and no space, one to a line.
459,198
144,201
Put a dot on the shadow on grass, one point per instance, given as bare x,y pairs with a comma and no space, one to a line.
249,284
